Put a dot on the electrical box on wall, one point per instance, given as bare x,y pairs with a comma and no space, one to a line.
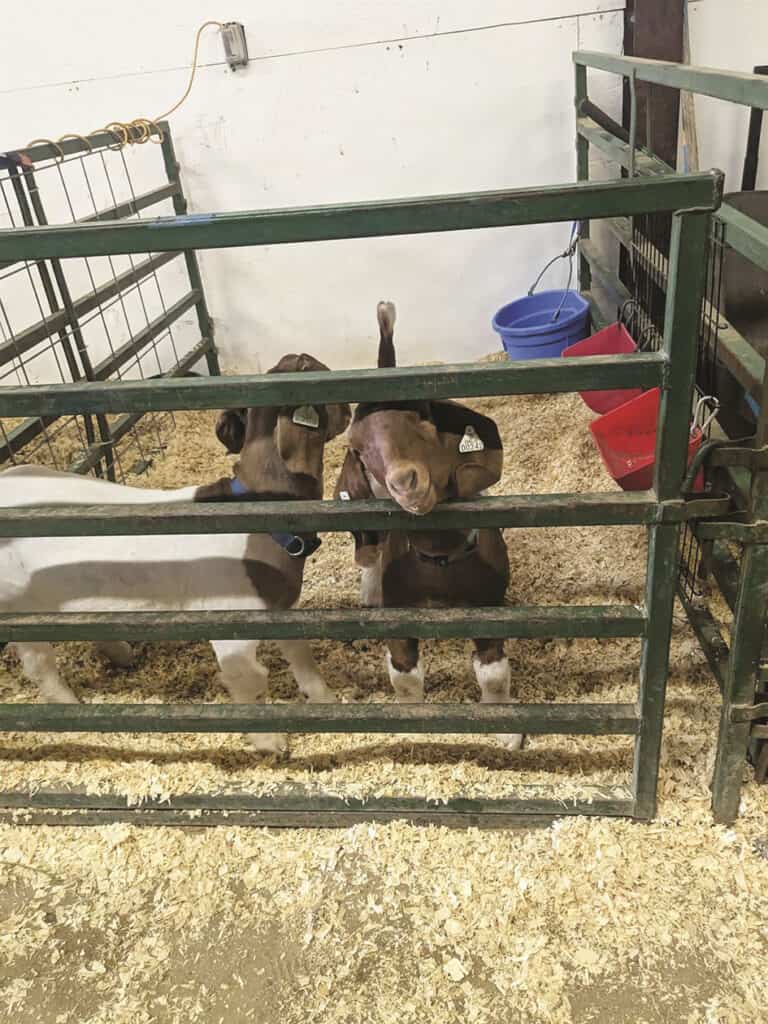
235,46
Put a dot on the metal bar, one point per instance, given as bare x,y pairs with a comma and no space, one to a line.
533,719
749,90
457,380
513,511
747,637
131,206
74,144
618,151
582,174
310,810
578,201
681,323
585,108
205,323
632,143
516,818
140,340
685,294
752,153
746,235
330,623
31,336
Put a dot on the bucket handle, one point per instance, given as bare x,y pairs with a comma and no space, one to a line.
700,410
567,254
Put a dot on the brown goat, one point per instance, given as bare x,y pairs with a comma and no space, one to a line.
420,453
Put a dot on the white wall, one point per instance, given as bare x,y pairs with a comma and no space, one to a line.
732,35
342,101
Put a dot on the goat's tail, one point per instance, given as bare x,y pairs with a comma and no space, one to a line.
385,311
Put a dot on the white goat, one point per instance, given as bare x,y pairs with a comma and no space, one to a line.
281,458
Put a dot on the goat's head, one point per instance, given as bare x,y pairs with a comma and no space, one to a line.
283,444
418,453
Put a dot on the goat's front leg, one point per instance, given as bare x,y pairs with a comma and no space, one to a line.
493,677
246,680
405,671
38,663
299,656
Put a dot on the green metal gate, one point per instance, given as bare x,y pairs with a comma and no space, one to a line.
740,469
662,510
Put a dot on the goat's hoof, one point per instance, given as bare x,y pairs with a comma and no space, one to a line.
512,740
268,742
59,696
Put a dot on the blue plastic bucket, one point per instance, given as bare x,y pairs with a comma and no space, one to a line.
527,330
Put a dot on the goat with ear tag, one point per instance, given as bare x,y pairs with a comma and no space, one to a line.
280,458
418,454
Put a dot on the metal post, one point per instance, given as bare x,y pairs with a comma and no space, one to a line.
582,174
687,268
740,679
204,320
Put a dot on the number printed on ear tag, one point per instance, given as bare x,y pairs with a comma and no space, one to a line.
306,416
470,442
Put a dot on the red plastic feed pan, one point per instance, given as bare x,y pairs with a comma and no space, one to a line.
612,340
626,440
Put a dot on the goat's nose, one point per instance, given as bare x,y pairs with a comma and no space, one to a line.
404,479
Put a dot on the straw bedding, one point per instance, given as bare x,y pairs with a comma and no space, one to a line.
592,920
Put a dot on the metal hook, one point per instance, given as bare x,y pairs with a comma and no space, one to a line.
702,403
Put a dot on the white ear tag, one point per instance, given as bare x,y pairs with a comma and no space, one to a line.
470,442
306,416
344,495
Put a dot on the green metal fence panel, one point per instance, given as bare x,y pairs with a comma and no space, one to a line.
459,380
366,220
663,510
749,90
525,621
736,666
524,510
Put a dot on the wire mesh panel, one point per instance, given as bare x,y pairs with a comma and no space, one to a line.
101,318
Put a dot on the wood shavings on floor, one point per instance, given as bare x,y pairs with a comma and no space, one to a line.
592,920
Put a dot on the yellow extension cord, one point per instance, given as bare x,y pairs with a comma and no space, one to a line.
141,129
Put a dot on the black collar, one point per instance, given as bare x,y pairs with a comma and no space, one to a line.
296,545
443,561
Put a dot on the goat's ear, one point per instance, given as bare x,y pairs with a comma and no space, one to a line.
475,443
339,416
230,429
300,447
352,485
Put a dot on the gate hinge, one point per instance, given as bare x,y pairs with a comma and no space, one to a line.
748,712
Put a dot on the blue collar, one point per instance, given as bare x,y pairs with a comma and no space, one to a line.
292,543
